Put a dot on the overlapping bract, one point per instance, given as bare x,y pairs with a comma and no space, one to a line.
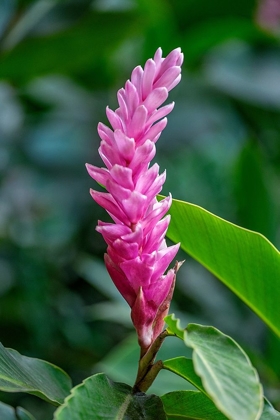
137,255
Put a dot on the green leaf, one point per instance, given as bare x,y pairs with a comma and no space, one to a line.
183,367
226,372
10,413
227,375
25,374
174,327
244,260
99,398
269,413
190,405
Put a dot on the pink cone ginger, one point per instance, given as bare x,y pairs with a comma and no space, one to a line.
137,255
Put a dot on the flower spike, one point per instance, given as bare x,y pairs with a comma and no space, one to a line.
137,255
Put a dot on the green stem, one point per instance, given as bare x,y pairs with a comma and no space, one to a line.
147,371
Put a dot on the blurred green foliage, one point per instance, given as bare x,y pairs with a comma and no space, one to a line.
61,62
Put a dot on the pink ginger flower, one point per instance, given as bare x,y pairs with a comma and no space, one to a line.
137,255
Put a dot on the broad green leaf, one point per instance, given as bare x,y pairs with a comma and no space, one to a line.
25,374
244,260
183,367
99,398
190,405
269,413
226,372
11,413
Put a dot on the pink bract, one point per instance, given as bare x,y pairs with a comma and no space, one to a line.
137,255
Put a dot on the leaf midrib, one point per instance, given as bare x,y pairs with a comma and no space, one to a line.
123,408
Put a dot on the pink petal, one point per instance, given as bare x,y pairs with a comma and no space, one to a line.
111,232
120,281
168,77
180,60
132,97
156,214
156,187
160,113
169,61
126,250
118,192
115,256
158,290
106,201
111,154
154,132
148,78
122,103
114,119
163,309
100,175
143,155
104,158
165,258
125,145
135,236
122,176
175,82
143,314
136,79
156,98
135,206
137,273
145,181
105,133
138,121
158,56
149,259
156,235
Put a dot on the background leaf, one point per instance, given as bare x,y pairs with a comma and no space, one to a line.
254,202
9,413
244,260
76,50
99,398
269,413
24,374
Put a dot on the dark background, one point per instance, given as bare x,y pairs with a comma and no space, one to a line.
61,63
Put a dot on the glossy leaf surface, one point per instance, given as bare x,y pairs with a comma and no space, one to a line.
244,260
190,405
226,372
183,367
99,398
25,374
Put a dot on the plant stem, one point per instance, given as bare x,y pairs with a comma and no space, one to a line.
147,371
